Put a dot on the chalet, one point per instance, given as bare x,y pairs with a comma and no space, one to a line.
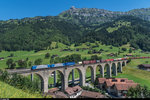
90,94
144,67
73,92
122,89
116,86
129,55
2,58
53,56
111,54
77,49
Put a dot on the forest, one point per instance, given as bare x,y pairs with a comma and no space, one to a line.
39,32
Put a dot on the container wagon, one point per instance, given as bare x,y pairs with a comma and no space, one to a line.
69,63
40,67
58,65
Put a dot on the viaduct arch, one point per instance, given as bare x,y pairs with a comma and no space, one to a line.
65,71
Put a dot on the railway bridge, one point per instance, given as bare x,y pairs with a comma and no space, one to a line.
44,74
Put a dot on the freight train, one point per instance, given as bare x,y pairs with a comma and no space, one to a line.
82,62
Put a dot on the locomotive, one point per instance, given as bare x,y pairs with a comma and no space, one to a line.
53,65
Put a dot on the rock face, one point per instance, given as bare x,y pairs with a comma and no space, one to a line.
95,16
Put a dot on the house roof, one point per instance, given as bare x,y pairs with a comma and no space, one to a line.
53,90
129,81
125,86
111,81
90,94
101,80
72,90
60,95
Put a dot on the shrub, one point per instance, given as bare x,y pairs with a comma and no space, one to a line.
129,60
124,49
47,55
38,61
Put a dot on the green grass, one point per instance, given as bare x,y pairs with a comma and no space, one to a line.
133,73
7,91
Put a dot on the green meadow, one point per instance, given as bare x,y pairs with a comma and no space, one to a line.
130,71
32,56
7,91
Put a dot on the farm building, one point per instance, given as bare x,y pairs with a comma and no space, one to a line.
129,55
144,67
2,58
73,92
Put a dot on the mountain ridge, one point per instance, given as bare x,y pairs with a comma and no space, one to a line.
94,15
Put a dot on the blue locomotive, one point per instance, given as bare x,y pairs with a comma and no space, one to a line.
53,65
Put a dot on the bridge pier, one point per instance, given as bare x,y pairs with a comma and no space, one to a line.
65,81
83,78
55,78
115,71
93,78
73,76
109,71
44,84
120,67
32,77
102,71
125,63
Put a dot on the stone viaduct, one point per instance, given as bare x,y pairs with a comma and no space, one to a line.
111,67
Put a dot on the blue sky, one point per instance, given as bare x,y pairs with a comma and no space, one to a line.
16,9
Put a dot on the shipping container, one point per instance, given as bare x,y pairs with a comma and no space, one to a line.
70,63
59,64
41,66
122,58
115,59
103,61
49,66
98,61
92,61
86,62
53,65
80,62
109,59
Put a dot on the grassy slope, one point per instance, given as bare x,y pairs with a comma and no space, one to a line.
7,91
